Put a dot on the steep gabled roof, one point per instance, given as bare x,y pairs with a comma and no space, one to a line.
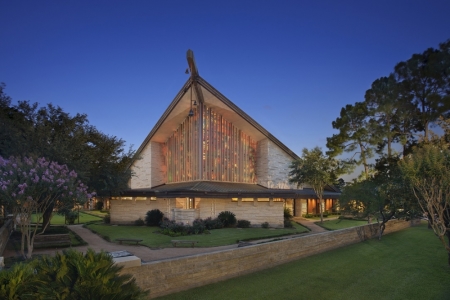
178,110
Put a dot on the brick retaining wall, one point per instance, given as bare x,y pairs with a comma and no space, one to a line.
173,275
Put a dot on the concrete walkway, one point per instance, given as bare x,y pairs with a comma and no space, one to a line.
146,254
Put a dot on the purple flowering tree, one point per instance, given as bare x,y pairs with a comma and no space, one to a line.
29,186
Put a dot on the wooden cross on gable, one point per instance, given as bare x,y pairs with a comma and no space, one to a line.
191,62
194,75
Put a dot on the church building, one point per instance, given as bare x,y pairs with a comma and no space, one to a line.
204,156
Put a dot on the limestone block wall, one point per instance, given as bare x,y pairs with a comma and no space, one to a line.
272,165
185,216
127,211
173,275
262,166
149,170
256,212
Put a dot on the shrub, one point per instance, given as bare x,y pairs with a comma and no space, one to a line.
265,225
107,218
70,275
227,218
139,222
154,217
71,216
287,213
287,223
99,205
243,223
198,226
211,224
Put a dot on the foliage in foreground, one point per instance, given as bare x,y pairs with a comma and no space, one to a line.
70,275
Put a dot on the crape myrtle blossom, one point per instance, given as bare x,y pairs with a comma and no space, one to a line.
29,186
38,179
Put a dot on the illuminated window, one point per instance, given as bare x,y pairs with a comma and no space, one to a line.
153,198
234,199
190,203
263,199
247,199
225,153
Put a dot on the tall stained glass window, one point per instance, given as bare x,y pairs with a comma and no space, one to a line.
208,147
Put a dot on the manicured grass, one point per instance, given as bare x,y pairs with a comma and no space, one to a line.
410,264
217,237
340,224
98,213
59,219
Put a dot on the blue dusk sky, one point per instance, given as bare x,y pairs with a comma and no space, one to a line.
291,65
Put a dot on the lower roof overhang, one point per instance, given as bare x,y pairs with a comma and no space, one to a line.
213,189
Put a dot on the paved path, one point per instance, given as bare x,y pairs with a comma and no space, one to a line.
146,254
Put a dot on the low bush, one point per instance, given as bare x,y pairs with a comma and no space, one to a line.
243,223
107,218
71,216
265,225
199,226
154,217
227,218
287,213
211,223
288,223
139,222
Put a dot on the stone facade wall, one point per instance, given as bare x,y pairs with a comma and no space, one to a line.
128,211
150,169
262,166
272,165
173,275
257,212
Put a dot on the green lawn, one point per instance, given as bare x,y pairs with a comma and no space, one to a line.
218,237
410,264
59,220
98,213
340,223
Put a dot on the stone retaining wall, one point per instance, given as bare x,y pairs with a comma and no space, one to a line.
173,275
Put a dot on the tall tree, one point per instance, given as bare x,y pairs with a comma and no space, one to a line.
425,78
317,170
353,135
391,114
100,160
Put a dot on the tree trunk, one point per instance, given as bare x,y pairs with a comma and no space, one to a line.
46,216
321,210
363,156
